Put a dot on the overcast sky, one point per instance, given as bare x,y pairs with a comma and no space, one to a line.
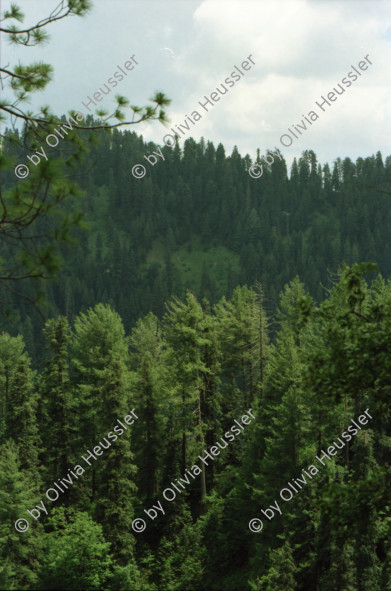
301,49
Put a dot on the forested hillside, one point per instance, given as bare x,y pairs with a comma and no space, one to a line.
198,221
195,342
210,337
115,428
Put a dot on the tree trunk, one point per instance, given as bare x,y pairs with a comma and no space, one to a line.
183,436
261,328
203,478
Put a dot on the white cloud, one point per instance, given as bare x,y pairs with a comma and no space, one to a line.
302,49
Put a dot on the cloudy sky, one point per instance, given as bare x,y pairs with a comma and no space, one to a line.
301,49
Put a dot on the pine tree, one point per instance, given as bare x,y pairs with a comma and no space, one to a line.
76,555
20,551
150,398
238,326
58,421
183,333
116,472
192,357
19,400
281,574
101,359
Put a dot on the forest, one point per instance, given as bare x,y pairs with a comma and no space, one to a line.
190,298
194,365
198,221
188,375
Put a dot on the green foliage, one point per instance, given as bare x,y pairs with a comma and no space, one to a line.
188,376
182,557
76,555
100,356
20,553
281,574
194,228
56,409
150,399
18,400
195,233
129,578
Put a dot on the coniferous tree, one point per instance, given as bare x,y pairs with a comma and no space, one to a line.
150,379
19,400
58,421
20,551
101,360
76,555
281,574
183,333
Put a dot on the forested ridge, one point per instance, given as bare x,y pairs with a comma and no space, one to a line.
198,221
191,296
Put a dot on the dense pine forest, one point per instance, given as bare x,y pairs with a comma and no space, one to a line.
197,298
198,221
195,365
188,376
